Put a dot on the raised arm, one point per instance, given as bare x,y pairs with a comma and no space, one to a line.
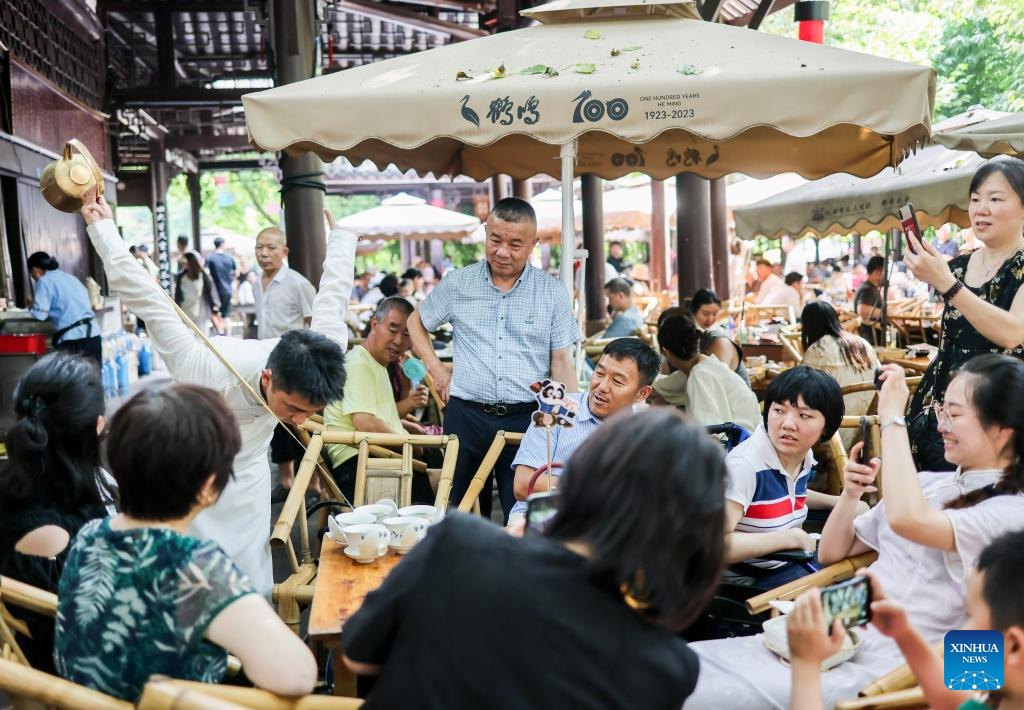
331,303
177,345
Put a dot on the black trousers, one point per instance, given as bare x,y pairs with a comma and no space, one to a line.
476,430
86,347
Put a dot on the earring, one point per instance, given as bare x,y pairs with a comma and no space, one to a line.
209,500
631,592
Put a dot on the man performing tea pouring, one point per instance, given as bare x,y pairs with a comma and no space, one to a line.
296,375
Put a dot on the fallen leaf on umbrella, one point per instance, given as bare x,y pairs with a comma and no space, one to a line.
632,49
463,76
592,34
585,68
499,73
635,64
688,70
616,52
540,69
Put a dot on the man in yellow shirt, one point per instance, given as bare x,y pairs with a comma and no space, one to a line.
369,403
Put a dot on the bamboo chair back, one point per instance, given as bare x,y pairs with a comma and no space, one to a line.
790,340
833,456
29,688
758,312
471,500
171,694
911,699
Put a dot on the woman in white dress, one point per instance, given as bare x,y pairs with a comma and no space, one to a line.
928,531
847,357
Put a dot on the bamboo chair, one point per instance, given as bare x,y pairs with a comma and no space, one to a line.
394,469
758,312
471,500
913,328
29,689
790,340
850,322
834,456
171,694
837,572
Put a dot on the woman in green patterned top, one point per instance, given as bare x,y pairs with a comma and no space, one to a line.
984,297
138,595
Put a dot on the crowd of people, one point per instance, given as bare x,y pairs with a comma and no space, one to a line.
153,528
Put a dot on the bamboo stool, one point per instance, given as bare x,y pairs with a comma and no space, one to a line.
471,500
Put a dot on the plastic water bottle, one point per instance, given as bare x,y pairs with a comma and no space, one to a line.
145,358
107,372
122,373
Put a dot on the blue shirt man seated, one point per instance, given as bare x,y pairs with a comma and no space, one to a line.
626,317
622,378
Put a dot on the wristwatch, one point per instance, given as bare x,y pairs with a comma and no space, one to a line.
897,421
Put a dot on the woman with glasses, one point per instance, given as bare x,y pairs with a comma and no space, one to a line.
984,294
929,530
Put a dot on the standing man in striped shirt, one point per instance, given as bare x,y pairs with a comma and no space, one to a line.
513,326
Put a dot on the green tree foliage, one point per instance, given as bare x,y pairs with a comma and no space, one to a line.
976,48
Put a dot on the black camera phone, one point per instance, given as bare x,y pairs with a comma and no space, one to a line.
849,601
540,509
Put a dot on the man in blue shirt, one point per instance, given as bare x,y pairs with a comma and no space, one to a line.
62,299
626,317
513,326
622,378
223,270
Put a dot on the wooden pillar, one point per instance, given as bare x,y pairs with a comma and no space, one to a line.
521,189
159,177
856,248
593,242
693,227
195,204
719,238
661,269
302,187
502,186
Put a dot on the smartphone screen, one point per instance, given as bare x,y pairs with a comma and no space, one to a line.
908,220
540,509
848,601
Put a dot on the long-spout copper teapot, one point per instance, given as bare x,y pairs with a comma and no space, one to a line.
65,181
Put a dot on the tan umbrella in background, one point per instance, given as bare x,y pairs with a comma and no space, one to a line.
1000,136
936,180
548,207
639,87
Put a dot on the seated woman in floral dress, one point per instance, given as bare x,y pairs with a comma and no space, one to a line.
139,596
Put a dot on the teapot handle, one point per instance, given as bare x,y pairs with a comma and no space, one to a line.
80,147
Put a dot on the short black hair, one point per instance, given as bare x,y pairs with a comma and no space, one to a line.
513,209
761,261
182,239
42,260
412,273
388,285
648,362
1011,168
308,364
793,277
615,243
704,297
1003,588
164,444
875,263
818,389
646,494
619,285
385,306
680,336
218,242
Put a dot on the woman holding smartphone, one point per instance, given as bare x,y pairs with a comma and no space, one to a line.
928,530
984,310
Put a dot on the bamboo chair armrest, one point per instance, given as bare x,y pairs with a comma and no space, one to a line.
909,699
822,578
27,597
186,695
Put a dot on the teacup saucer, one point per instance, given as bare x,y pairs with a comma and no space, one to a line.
355,554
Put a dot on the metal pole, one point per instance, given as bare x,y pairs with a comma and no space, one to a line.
567,155
719,237
693,227
593,242
302,187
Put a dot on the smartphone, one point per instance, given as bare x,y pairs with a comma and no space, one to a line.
908,220
849,601
540,509
865,436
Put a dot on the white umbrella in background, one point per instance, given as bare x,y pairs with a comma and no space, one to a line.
407,217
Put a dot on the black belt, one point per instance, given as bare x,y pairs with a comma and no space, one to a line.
499,409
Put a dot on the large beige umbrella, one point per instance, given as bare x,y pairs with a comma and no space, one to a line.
640,86
1000,136
407,217
936,180
547,206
